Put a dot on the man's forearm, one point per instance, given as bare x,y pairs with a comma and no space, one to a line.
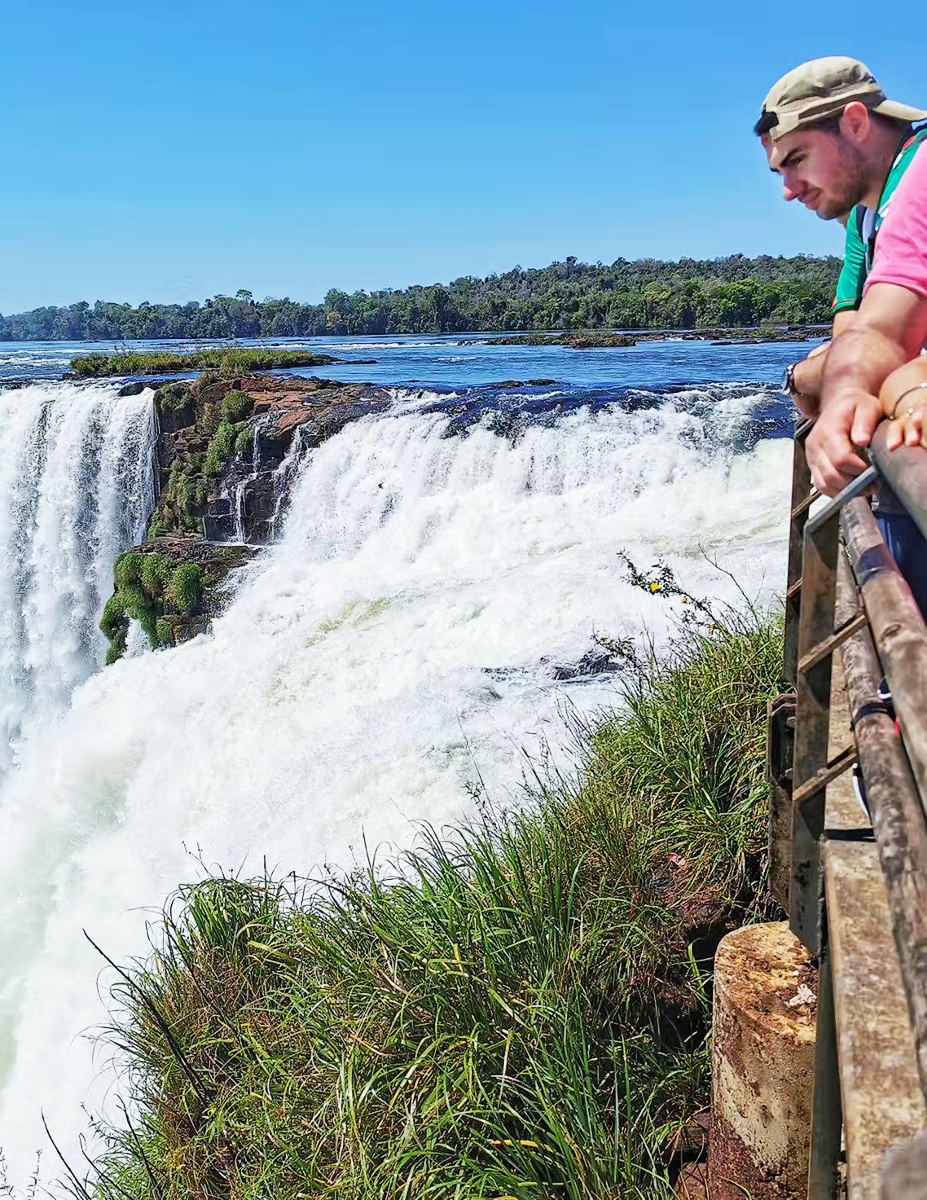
808,375
889,329
860,360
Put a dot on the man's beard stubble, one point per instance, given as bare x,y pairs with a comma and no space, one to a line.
839,202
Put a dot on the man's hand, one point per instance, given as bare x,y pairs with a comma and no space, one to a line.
847,422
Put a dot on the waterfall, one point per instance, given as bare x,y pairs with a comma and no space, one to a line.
76,489
389,650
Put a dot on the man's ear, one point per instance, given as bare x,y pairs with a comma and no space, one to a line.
855,122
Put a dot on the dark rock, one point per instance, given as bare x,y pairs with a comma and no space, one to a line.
596,661
221,494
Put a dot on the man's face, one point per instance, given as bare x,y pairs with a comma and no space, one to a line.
822,170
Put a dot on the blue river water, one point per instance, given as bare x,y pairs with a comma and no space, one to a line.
523,384
449,362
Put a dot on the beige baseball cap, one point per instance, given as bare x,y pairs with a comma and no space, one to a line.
822,88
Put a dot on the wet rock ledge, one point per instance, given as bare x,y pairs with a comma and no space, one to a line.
227,451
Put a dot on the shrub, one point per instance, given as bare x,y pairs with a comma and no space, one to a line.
165,632
128,568
183,494
220,447
234,406
244,441
156,571
114,618
116,651
230,361
171,398
186,587
157,525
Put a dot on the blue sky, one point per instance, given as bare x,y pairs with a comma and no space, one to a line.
173,151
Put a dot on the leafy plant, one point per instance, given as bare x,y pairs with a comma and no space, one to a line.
186,587
171,398
234,406
220,447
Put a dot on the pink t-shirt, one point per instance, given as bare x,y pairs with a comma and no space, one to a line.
901,246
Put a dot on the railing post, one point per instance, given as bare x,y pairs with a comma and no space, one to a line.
812,717
798,518
817,640
826,1112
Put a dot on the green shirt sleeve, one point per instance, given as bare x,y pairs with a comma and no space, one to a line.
853,276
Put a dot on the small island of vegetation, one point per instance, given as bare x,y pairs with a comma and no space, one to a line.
231,360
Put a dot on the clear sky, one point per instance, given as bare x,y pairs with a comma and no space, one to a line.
176,150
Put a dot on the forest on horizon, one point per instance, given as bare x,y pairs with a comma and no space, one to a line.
645,294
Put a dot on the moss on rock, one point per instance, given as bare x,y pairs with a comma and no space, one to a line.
220,447
172,398
171,587
235,406
186,587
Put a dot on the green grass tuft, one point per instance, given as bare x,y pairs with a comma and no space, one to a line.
165,632
220,447
155,574
234,406
244,440
128,568
186,587
517,1009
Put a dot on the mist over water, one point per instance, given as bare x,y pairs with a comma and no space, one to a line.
391,649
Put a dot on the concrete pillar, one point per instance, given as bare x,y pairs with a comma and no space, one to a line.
762,1065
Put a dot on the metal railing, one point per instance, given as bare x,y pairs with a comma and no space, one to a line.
844,590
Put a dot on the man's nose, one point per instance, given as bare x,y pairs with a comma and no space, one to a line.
790,191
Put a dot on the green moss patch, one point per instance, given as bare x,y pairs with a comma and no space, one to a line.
148,587
172,398
220,447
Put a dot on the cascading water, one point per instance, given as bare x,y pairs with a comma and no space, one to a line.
388,650
76,489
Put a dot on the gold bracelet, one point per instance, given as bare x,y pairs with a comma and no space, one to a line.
915,388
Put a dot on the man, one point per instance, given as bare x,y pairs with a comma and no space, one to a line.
841,149
890,331
839,144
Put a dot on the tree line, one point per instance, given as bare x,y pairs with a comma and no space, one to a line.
646,294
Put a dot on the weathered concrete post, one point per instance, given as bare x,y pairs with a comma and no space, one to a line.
762,1065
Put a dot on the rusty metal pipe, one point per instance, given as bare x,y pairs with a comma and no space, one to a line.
905,471
892,794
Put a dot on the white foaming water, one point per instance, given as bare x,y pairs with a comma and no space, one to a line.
76,488
381,655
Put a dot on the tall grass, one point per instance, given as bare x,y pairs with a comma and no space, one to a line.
229,361
516,1009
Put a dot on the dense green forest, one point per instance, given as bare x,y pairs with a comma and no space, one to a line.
647,294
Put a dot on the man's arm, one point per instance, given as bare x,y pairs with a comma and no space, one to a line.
808,375
889,330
